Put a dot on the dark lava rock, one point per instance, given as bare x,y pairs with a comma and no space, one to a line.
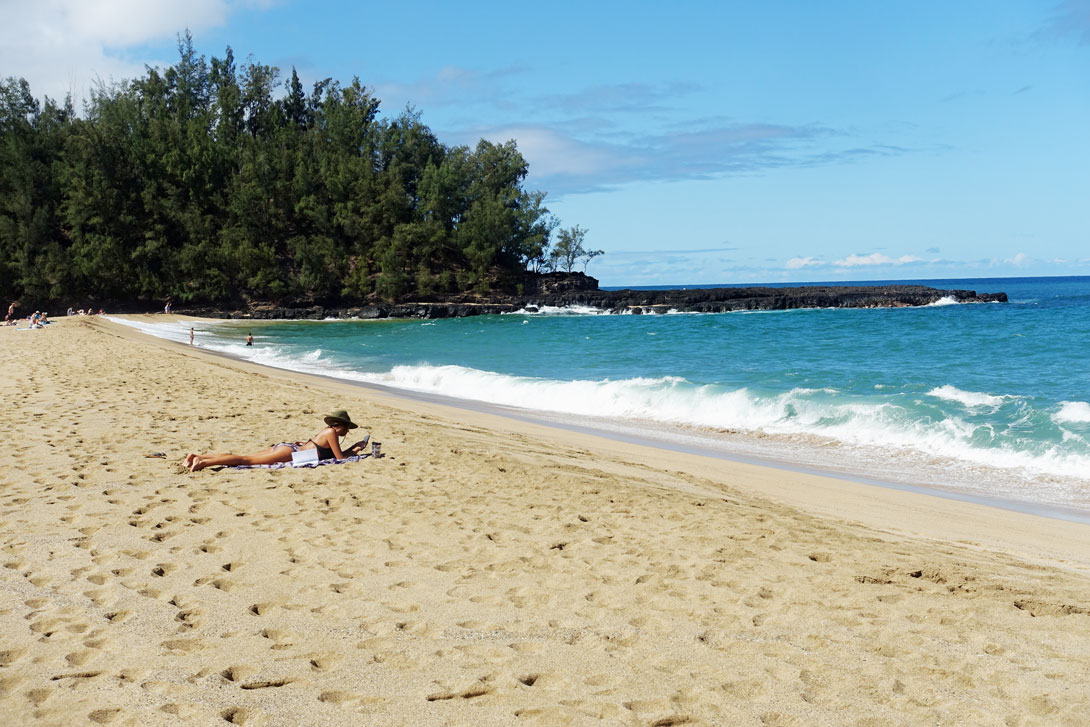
577,289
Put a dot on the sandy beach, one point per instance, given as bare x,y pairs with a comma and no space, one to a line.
486,571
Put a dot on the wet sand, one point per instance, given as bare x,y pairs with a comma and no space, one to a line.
487,571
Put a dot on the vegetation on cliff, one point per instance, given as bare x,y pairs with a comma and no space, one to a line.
195,183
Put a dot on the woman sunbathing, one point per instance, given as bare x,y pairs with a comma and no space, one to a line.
327,442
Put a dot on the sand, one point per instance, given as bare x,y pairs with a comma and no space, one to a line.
486,571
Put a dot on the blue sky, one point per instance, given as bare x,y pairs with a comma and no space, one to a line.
698,142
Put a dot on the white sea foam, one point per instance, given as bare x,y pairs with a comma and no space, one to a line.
173,330
945,300
553,310
799,412
969,399
1075,412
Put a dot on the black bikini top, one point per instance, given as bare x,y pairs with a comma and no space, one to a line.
323,452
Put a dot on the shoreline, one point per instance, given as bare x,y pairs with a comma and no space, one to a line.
486,571
872,495
670,438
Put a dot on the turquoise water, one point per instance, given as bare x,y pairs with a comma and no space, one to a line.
987,398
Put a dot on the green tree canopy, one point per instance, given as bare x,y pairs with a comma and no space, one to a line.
212,182
569,250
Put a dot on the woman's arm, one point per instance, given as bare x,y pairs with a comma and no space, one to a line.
358,446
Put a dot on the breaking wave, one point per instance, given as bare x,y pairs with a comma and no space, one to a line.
895,421
970,399
1077,412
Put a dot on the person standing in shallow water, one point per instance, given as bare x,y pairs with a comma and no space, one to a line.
190,336
249,339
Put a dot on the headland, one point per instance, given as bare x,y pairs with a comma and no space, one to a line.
567,290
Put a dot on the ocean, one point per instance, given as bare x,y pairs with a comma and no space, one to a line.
979,401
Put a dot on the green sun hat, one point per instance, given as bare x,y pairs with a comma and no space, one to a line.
339,416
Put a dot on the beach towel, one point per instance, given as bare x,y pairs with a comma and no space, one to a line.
282,465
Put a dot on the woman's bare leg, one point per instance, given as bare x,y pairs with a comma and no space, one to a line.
281,453
188,461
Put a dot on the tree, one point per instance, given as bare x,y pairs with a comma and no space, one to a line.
198,183
590,255
569,250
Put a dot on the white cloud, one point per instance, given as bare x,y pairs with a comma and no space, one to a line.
797,263
120,23
875,258
449,86
63,46
552,154
571,161
1019,259
851,261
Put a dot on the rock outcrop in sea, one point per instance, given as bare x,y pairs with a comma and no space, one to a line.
571,290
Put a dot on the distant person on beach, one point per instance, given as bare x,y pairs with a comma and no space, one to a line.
249,339
166,308
11,313
327,442
190,336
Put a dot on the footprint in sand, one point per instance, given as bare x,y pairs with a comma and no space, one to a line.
104,716
79,658
98,597
223,584
239,673
187,713
191,618
116,617
281,638
10,656
176,647
246,716
326,662
263,608
39,695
